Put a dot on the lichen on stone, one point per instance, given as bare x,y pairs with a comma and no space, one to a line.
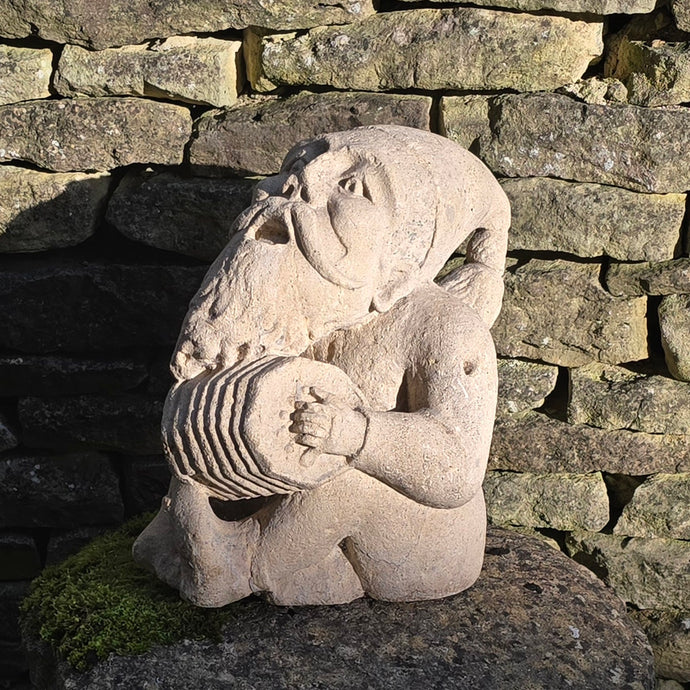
99,602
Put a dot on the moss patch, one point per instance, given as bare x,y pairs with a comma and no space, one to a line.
100,602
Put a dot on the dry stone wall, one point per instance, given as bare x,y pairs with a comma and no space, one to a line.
130,138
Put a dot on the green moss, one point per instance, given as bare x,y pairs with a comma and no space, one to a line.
100,602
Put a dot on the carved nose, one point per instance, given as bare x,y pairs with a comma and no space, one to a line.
293,189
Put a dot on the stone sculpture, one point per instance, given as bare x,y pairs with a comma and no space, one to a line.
331,419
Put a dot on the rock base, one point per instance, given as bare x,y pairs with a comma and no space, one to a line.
534,619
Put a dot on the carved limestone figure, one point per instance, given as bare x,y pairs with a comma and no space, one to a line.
330,423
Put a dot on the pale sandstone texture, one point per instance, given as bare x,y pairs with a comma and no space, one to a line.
250,136
681,13
377,646
126,22
555,500
182,68
551,135
93,133
648,573
664,278
669,635
343,414
572,6
465,119
24,73
191,216
40,210
589,323
674,321
654,74
537,443
458,48
593,220
523,385
612,397
660,507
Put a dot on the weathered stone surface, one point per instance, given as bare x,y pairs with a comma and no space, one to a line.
550,135
24,73
119,305
40,210
681,13
93,133
125,423
125,22
253,135
190,216
593,220
182,68
65,543
615,398
669,634
559,501
648,573
465,119
146,481
19,559
674,320
11,594
654,74
481,638
24,375
660,507
60,491
597,90
665,278
523,385
572,6
589,324
458,48
8,436
537,443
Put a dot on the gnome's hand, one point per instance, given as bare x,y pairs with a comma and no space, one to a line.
328,424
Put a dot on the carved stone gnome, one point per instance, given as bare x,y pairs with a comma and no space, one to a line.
330,423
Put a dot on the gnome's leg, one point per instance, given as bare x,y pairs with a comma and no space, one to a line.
299,559
191,549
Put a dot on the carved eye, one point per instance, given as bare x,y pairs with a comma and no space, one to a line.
355,186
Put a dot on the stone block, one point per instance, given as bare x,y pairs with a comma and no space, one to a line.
589,324
41,210
11,595
8,435
182,68
93,133
647,573
25,375
19,559
551,135
674,321
191,216
146,481
24,73
681,13
664,278
455,48
253,135
537,443
557,501
465,119
65,543
660,507
118,306
655,74
523,385
669,635
612,397
591,220
571,6
124,22
597,90
124,423
58,491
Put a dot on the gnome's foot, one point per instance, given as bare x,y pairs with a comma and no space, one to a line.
191,549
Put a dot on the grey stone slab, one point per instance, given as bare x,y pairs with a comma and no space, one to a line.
523,385
24,73
663,278
674,321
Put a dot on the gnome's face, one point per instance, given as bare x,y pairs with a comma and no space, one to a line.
305,260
